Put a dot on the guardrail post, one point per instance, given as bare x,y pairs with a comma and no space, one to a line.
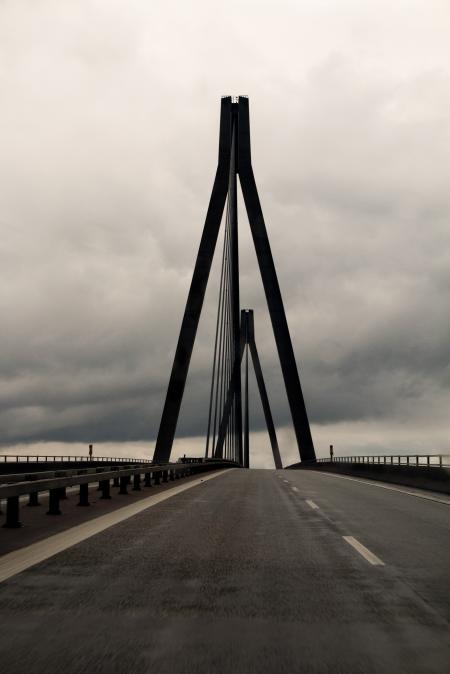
33,498
147,480
116,482
84,495
440,460
428,461
157,477
53,501
171,475
105,487
137,482
123,484
62,493
12,513
165,476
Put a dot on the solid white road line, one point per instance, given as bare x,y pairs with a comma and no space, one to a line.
311,504
19,560
294,489
363,551
417,494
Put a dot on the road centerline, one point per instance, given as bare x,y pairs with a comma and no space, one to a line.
363,551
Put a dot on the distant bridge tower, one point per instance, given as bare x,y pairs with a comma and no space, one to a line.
234,160
248,345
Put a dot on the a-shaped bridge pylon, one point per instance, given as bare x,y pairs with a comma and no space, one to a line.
234,160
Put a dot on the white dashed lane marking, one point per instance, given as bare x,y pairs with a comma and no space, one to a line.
311,504
363,551
294,489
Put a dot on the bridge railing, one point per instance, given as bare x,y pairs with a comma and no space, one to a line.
422,460
42,458
14,486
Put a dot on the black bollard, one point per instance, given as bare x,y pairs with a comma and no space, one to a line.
33,498
12,513
53,502
123,484
105,487
84,495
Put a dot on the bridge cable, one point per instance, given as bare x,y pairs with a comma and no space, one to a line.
219,355
208,432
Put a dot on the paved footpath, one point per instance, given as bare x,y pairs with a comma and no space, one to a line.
252,571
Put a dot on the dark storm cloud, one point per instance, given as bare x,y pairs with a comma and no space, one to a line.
109,123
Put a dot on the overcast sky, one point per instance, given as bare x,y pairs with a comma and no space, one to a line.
109,115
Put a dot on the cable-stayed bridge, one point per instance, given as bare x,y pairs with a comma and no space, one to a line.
199,565
232,338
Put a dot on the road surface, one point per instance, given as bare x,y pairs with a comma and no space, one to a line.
252,571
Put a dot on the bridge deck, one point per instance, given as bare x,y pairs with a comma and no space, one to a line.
249,571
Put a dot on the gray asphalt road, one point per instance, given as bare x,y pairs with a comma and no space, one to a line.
249,572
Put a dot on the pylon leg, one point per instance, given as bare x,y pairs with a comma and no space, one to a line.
263,393
196,294
272,290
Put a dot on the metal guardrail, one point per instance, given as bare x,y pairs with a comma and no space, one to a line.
38,458
422,460
12,487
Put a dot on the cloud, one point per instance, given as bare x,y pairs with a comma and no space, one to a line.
109,124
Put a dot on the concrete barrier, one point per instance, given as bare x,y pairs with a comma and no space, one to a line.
432,478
